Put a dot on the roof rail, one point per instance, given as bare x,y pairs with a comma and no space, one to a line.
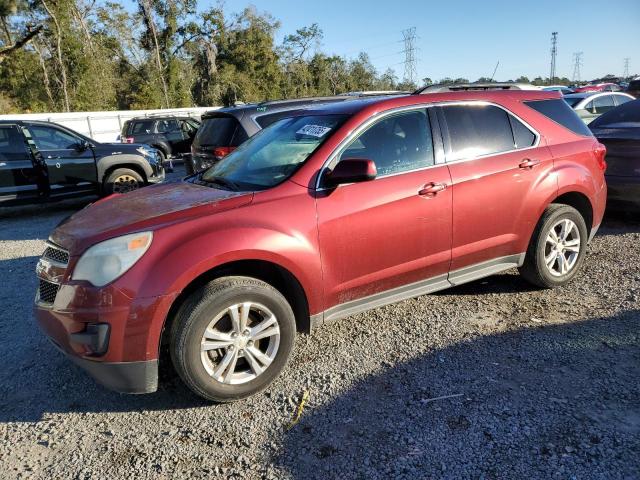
374,93
463,87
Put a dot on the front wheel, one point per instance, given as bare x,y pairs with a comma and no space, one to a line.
557,247
232,338
122,180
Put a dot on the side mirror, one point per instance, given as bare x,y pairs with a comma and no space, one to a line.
351,170
83,145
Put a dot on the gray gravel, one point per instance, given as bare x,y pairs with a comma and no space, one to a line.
543,384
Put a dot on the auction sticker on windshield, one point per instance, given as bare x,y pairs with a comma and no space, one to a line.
313,130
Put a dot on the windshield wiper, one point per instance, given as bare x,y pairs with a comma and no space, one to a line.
222,181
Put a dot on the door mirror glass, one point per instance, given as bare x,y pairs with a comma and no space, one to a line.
82,145
351,170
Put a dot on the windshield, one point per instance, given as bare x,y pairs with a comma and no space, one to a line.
272,155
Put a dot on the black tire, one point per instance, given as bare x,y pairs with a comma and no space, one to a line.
162,156
195,315
122,180
535,269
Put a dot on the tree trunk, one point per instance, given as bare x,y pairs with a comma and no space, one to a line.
63,69
148,19
45,73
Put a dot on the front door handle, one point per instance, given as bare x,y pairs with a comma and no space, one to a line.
431,189
528,163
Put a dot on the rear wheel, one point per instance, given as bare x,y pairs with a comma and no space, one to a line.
123,180
557,248
232,338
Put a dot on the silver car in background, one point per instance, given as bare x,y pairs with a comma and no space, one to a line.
590,105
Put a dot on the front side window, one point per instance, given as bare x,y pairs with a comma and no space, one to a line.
622,99
11,144
475,130
602,104
627,114
271,156
50,138
397,143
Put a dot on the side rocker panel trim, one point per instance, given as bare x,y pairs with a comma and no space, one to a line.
423,287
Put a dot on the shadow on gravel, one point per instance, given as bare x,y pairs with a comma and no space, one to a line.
40,218
553,401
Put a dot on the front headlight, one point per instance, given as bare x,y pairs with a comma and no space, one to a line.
108,260
144,152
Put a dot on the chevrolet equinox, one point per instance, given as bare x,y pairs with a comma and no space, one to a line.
332,211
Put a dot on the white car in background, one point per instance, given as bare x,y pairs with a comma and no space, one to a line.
590,105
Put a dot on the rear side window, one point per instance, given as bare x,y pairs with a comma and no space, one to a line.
11,143
634,85
522,136
167,125
220,132
558,111
141,127
475,130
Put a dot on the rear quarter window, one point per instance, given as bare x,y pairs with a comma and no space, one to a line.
561,113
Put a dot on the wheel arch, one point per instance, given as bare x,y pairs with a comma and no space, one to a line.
276,275
106,165
581,203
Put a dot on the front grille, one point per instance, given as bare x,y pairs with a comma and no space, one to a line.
48,291
56,254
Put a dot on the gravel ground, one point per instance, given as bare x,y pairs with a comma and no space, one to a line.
540,384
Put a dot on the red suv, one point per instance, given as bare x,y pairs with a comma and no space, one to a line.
338,209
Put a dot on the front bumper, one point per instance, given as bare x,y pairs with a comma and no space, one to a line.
623,192
123,377
113,335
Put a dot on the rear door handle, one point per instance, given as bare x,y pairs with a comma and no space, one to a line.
528,163
431,189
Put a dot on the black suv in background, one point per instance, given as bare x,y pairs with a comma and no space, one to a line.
223,130
171,135
44,161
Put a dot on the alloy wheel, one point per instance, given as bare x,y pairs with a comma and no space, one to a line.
562,247
240,343
125,183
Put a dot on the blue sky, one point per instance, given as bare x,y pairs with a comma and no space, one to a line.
465,38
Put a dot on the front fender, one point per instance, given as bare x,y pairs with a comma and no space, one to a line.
122,159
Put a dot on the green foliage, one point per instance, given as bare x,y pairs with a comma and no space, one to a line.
98,55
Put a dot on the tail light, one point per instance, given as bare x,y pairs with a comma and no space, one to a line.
600,152
127,139
222,151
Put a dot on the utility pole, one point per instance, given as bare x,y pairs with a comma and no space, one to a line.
410,69
554,52
577,63
626,68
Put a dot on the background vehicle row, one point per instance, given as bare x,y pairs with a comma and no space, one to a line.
45,161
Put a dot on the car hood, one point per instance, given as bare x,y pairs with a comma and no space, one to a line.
120,148
146,209
622,130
